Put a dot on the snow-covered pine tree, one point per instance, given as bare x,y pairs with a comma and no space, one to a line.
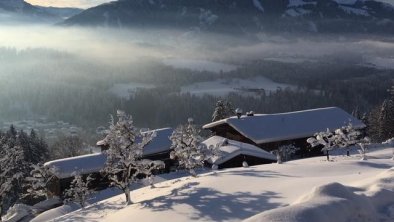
12,174
67,146
188,148
79,192
223,109
390,143
124,156
39,180
373,124
39,148
326,139
386,120
34,148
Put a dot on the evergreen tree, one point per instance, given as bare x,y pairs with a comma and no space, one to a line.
188,148
78,191
386,120
18,151
223,109
373,124
39,148
12,174
39,181
67,146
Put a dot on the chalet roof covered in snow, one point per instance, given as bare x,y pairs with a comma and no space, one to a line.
160,143
84,164
265,128
95,162
235,148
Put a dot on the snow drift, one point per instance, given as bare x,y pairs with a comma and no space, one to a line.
326,201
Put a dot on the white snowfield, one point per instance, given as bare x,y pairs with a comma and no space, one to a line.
223,87
344,189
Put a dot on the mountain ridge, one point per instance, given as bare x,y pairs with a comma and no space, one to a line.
243,16
19,10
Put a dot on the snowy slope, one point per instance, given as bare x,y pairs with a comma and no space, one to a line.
303,187
223,87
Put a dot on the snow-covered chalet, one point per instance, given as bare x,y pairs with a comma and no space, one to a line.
269,131
65,169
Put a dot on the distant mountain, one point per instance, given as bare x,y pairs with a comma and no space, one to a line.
19,10
61,12
243,16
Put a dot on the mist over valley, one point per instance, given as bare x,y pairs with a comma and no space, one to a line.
162,74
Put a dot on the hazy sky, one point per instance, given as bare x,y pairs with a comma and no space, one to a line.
89,3
68,3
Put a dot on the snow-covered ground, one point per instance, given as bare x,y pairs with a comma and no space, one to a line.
344,189
223,87
199,65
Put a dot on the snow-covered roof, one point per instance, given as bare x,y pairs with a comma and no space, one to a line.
84,164
235,148
265,128
160,143
95,162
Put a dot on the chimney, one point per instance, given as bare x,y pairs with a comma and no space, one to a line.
190,121
238,111
251,113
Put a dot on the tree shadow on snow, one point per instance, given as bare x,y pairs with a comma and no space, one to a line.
374,165
214,205
253,173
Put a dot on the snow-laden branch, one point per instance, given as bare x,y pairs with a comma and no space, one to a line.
125,155
188,148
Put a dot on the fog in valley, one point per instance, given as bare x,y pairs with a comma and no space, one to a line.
82,75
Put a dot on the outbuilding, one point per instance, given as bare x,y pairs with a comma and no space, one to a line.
234,153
